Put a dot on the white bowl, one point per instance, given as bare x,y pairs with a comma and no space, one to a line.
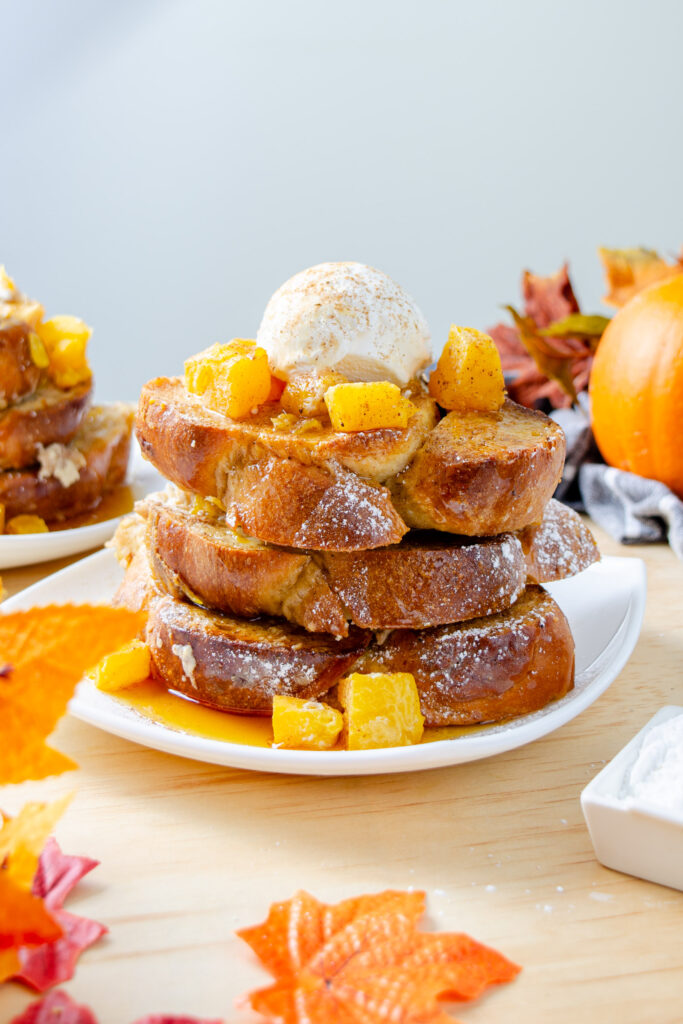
630,834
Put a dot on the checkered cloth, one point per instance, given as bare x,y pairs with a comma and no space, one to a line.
632,509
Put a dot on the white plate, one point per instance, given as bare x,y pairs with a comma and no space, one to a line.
29,548
604,606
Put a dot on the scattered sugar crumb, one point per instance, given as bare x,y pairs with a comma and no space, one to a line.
601,897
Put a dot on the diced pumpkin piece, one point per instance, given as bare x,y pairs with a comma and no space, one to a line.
233,378
26,524
38,352
305,724
374,406
65,339
304,395
468,374
380,710
131,664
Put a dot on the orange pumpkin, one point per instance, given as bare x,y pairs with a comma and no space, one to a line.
636,386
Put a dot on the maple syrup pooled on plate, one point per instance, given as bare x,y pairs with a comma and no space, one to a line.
182,714
117,502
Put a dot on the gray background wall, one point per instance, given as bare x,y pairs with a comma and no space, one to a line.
164,166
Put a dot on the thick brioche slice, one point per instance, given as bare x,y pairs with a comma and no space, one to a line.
239,665
486,670
19,375
426,580
474,474
179,432
73,477
315,489
482,473
561,545
50,415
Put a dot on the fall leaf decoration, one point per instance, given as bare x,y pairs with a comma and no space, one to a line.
628,271
549,351
55,1008
44,652
40,942
59,1008
54,962
364,959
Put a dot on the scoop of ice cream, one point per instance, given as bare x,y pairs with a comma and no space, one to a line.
345,317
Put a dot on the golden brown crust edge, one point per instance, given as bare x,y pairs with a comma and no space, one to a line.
486,670
106,453
49,416
482,473
454,483
19,375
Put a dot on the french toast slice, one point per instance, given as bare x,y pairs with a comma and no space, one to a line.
239,665
475,474
484,670
428,579
50,415
425,580
313,489
73,477
19,375
481,473
561,545
488,669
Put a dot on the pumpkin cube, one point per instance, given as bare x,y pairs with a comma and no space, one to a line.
38,352
380,710
65,339
131,664
233,378
26,524
305,724
374,406
304,395
468,374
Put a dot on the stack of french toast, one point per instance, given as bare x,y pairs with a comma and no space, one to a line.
59,455
335,514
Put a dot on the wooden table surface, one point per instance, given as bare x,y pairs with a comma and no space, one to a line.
192,851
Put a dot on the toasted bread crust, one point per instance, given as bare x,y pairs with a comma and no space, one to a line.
238,665
170,419
49,416
104,442
560,546
482,473
428,579
476,474
485,670
19,376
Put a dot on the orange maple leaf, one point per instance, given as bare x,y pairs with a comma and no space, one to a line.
363,961
44,652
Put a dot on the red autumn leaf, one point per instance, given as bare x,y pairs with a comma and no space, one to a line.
59,1008
55,1008
364,961
55,962
538,366
164,1018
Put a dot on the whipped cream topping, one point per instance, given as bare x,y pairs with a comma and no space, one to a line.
345,317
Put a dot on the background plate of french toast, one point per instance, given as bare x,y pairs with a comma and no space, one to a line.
64,461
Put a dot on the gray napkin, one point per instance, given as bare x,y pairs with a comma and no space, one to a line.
631,508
